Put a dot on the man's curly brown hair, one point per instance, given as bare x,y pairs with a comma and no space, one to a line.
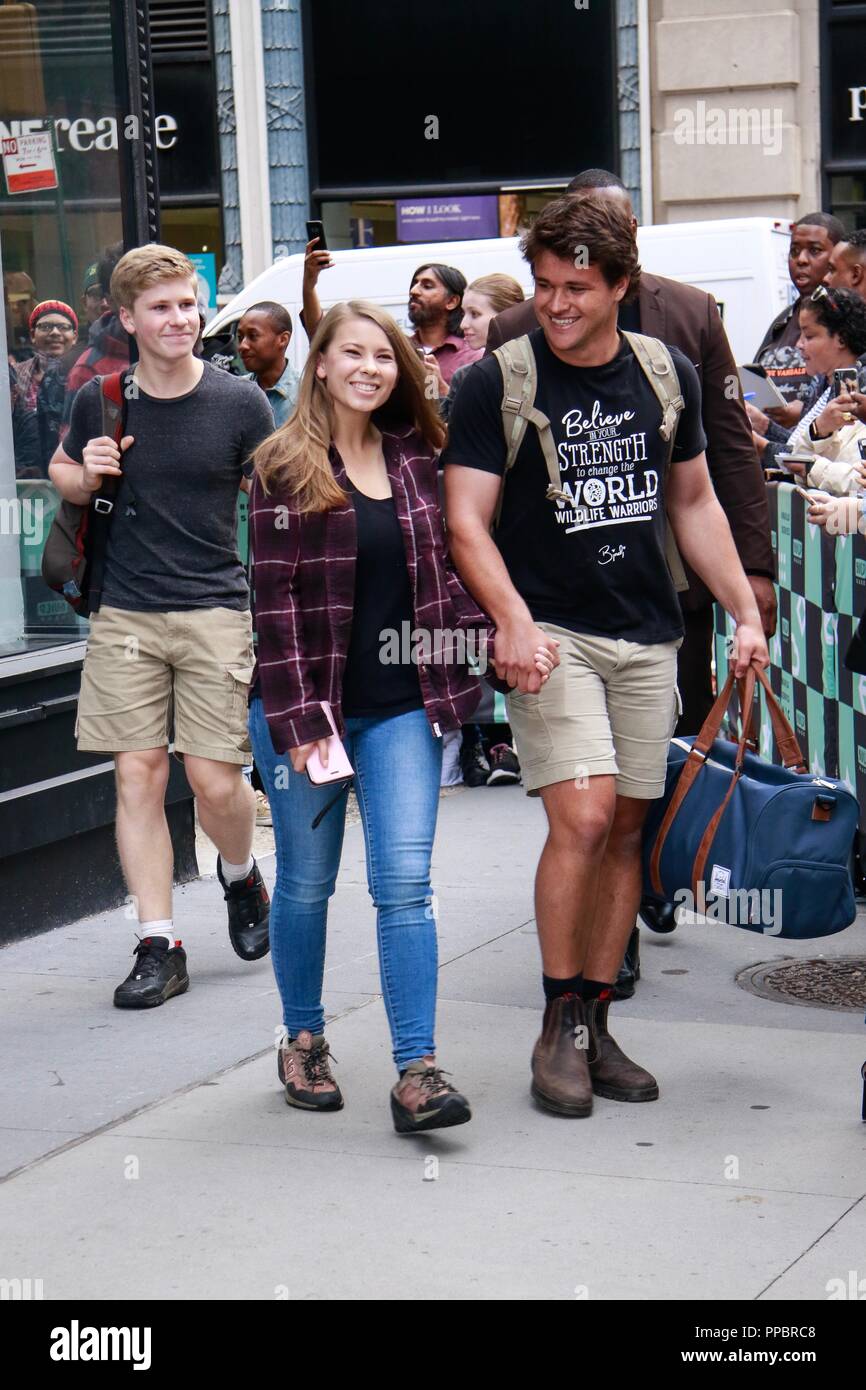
595,228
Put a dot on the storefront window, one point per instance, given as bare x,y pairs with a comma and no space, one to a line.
60,229
848,199
427,217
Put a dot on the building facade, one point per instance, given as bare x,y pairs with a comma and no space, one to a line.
381,118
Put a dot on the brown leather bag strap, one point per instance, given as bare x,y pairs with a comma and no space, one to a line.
696,759
789,750
693,764
746,692
710,834
789,747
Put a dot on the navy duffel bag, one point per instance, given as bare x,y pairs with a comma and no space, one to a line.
742,841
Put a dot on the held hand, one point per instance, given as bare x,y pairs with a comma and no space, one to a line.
858,404
544,663
101,457
757,419
765,597
759,442
836,414
300,755
750,645
519,653
786,415
838,516
315,262
434,373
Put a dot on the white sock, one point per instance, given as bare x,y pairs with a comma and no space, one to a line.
164,928
233,873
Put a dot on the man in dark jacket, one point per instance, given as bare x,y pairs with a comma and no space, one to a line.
812,240
688,318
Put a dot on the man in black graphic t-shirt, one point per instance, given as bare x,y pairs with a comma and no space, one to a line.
583,575
606,574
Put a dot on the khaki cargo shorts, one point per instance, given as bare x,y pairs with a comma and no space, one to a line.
609,707
144,672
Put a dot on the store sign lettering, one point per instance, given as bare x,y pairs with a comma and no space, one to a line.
858,103
84,134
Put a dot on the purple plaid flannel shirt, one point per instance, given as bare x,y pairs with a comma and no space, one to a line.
304,580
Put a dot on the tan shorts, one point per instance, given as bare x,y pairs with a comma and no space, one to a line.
609,707
144,671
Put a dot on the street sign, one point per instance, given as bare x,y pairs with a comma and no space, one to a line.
28,162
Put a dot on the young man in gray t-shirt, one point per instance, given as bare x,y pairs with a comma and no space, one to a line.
171,644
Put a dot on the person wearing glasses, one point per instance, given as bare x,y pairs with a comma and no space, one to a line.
832,336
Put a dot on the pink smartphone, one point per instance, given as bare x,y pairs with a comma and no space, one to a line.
339,768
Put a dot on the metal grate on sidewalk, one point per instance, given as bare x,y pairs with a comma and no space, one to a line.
823,984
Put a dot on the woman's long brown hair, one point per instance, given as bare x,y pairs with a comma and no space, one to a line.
295,457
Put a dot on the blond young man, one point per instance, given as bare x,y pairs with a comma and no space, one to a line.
171,643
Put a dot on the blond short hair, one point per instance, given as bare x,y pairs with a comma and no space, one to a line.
145,266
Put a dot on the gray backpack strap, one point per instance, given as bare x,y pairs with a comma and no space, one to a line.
519,384
658,367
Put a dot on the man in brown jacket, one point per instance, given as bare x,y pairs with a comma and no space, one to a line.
688,318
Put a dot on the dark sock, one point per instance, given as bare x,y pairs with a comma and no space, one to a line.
555,989
597,989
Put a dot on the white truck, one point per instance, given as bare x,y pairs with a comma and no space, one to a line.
741,261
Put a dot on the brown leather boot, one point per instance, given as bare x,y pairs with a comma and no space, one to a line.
614,1075
560,1071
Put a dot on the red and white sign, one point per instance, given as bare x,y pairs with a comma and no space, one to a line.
28,162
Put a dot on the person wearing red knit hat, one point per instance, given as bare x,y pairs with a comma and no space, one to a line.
53,329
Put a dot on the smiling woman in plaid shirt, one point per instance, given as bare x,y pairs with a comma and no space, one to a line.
357,605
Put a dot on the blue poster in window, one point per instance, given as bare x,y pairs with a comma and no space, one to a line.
205,264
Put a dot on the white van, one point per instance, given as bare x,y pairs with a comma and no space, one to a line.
742,262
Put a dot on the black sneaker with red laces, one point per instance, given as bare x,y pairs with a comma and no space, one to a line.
158,974
249,913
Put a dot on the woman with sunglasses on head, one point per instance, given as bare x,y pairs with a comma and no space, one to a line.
832,336
350,559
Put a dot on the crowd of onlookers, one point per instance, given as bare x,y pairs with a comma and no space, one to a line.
814,352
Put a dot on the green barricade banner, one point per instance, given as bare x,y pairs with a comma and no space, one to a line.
821,590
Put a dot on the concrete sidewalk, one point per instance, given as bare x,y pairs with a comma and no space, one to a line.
129,1176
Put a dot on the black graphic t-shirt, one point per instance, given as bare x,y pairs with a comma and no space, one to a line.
784,363
596,565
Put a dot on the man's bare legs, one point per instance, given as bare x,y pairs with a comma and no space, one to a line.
226,805
227,813
619,894
588,884
143,840
579,819
587,894
226,809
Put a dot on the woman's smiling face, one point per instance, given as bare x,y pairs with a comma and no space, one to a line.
358,366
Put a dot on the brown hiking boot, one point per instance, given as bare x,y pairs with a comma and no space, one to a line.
613,1074
422,1099
303,1065
560,1071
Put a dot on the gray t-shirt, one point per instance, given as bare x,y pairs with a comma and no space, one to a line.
173,538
